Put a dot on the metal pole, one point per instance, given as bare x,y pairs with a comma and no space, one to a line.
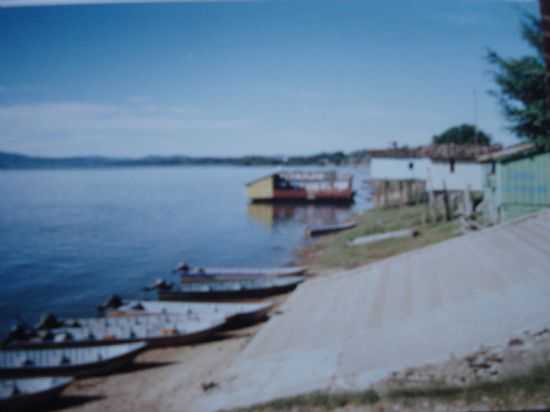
545,16
475,117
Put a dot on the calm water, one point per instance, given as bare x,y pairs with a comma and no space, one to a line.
71,238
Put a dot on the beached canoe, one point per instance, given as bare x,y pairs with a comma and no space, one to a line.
236,314
230,290
209,274
154,329
319,230
95,360
30,394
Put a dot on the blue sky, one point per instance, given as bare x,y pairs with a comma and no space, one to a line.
232,78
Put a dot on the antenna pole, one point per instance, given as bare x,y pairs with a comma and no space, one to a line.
475,116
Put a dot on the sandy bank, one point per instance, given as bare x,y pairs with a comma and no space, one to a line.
162,380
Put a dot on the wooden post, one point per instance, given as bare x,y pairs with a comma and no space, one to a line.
448,216
468,206
432,206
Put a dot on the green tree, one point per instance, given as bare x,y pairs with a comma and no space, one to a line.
522,86
463,134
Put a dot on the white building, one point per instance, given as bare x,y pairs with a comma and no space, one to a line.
391,168
454,175
457,176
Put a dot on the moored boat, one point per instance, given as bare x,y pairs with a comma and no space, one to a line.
208,274
316,187
229,290
236,314
154,329
30,394
319,230
95,360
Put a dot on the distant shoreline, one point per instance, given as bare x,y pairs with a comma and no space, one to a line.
128,166
16,161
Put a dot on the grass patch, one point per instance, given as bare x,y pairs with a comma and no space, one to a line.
525,388
531,388
318,400
334,252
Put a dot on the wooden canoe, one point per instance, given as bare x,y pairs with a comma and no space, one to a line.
209,274
95,360
156,330
320,230
231,290
236,314
30,394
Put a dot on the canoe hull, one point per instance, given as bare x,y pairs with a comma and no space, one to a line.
328,229
234,274
206,278
34,401
243,315
224,296
152,342
241,320
96,369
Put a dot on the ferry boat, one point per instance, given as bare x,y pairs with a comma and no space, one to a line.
315,187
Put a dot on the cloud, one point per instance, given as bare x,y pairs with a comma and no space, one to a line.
27,3
69,122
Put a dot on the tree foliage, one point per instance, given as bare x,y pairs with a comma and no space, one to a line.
522,88
463,134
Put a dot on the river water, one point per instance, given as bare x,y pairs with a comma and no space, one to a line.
71,238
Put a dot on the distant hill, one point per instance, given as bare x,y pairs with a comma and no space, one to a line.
20,161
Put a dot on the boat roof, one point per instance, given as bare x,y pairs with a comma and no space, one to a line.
259,179
328,175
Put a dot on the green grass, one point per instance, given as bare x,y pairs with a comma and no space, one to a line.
535,384
334,252
318,400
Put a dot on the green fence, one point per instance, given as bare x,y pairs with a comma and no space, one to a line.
523,185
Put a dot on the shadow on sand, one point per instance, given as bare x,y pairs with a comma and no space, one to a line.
139,366
71,401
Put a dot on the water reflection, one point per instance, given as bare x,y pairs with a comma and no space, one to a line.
272,215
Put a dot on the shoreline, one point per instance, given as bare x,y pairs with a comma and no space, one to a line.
169,379
332,253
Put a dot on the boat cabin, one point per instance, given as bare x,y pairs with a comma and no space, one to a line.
302,187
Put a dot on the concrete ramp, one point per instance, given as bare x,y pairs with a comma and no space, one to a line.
353,328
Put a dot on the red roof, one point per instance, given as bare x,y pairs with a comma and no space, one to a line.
436,152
